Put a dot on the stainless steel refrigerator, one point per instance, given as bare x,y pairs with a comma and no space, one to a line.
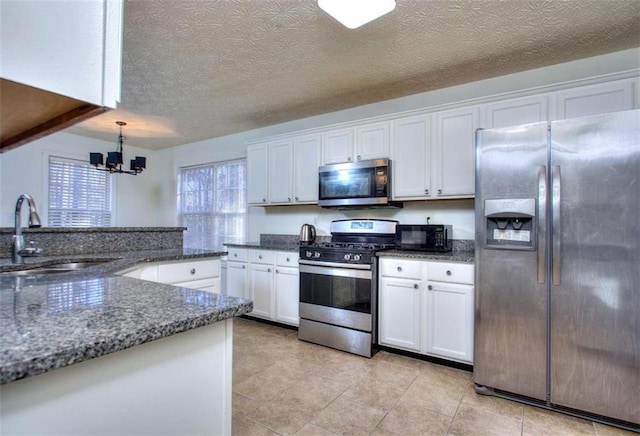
557,316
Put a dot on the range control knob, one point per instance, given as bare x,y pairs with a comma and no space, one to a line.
308,254
347,256
316,254
356,257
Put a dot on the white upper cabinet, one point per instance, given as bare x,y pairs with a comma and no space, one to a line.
337,146
281,172
306,160
516,111
69,48
455,152
257,170
594,99
411,156
372,141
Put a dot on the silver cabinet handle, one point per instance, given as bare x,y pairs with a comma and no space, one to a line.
289,198
439,191
268,269
557,222
288,260
277,272
296,198
244,267
426,191
415,286
359,157
399,269
448,272
264,200
542,223
235,254
430,288
349,159
193,271
260,256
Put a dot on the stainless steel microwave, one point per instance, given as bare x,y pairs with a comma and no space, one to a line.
362,184
423,237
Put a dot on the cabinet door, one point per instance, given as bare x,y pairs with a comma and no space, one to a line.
337,146
400,313
287,295
595,99
306,160
257,174
411,156
237,279
281,172
372,141
455,152
449,321
517,111
261,285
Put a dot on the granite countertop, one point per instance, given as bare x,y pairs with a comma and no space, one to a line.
277,246
452,256
52,321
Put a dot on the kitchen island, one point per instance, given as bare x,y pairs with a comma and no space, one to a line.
93,352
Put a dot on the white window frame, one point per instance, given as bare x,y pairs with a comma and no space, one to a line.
184,165
46,155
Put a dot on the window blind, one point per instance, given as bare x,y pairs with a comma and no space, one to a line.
79,196
213,204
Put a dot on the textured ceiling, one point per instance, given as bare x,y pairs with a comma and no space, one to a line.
194,70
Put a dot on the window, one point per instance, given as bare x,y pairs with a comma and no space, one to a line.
212,204
79,195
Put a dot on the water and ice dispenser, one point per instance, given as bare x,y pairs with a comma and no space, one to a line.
510,223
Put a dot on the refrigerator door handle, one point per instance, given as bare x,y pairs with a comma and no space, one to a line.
542,223
556,222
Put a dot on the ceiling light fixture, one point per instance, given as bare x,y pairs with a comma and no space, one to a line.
114,158
355,13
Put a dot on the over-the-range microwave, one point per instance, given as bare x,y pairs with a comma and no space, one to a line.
362,184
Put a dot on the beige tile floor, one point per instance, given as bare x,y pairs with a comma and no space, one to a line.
283,386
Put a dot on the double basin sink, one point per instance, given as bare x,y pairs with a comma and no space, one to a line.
55,268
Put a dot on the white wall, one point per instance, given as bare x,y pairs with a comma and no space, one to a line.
24,170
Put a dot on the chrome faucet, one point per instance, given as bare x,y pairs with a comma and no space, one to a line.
18,250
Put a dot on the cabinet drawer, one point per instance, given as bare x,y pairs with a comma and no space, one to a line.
450,272
408,269
188,270
261,256
238,254
286,258
209,285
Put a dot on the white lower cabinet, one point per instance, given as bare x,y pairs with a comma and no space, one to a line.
271,280
427,307
201,274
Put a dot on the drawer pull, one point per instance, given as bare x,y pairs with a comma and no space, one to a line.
430,288
277,272
244,267
260,256
448,272
268,269
399,269
193,271
235,254
415,286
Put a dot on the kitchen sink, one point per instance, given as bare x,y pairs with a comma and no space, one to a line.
56,268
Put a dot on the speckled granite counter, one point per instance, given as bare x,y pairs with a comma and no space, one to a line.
49,322
453,256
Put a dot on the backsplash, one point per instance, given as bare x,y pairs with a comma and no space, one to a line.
61,241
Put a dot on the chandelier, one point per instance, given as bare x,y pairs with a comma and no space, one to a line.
114,158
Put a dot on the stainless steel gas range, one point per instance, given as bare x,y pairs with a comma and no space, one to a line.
339,285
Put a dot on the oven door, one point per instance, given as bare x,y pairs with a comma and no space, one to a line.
337,295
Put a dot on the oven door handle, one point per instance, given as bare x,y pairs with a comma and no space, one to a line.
336,272
335,264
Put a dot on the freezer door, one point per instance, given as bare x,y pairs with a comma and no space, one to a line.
595,290
511,292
